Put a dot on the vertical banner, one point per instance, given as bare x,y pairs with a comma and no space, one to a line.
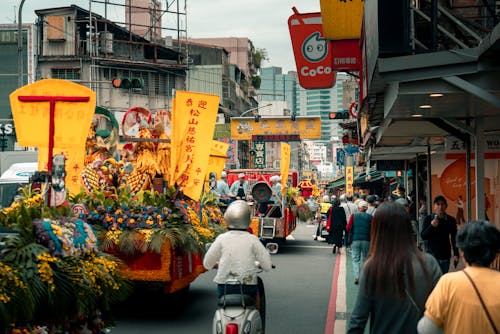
313,54
196,113
217,158
259,158
284,166
349,179
342,19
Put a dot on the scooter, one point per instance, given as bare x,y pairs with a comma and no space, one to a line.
240,313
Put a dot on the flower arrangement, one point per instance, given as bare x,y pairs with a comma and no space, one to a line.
53,276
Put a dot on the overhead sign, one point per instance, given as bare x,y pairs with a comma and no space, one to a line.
313,54
342,19
242,128
346,55
276,138
349,179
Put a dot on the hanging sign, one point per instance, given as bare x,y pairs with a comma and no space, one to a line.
342,19
313,54
346,55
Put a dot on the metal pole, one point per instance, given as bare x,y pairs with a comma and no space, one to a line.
429,180
20,46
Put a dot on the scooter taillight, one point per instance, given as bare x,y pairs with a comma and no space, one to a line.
232,328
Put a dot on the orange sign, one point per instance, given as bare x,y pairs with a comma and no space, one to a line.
284,166
349,179
313,54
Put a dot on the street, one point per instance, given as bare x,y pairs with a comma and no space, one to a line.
297,293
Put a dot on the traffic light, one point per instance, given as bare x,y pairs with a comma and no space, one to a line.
127,83
343,114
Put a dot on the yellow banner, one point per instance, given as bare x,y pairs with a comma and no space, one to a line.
284,166
197,112
72,106
307,127
349,179
73,166
217,158
341,19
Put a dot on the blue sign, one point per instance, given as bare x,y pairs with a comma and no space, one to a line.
340,157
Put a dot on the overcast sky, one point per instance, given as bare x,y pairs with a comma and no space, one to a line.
263,21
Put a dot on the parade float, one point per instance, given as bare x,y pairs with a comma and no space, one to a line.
105,211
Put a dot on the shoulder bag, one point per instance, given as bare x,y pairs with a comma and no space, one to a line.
482,302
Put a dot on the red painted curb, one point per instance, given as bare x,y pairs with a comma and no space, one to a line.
332,305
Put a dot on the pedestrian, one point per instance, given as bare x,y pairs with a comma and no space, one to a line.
414,223
440,230
392,293
240,188
359,225
467,301
460,211
349,209
371,205
222,189
422,213
336,224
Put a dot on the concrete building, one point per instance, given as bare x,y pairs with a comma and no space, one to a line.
143,18
9,74
67,52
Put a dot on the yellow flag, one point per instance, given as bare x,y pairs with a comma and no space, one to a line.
284,166
197,112
217,158
73,166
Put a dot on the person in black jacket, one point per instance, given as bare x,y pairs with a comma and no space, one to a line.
336,224
439,229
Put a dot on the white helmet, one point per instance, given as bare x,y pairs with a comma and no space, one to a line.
326,198
237,215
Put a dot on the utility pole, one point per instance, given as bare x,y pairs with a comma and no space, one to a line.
20,80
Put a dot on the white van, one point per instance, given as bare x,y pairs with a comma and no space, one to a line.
16,176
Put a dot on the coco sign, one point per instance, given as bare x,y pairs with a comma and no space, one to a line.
313,53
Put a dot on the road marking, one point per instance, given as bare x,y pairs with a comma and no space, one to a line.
297,246
341,304
332,305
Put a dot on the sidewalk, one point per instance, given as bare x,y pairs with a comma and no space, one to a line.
344,293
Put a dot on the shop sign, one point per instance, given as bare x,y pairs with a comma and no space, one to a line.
342,18
243,128
276,138
6,128
349,179
259,156
346,55
313,53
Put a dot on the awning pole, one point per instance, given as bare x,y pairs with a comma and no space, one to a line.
429,177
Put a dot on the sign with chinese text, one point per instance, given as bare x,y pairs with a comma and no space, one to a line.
232,150
312,52
455,148
55,116
342,18
276,138
284,166
349,179
217,158
259,157
346,55
193,123
243,128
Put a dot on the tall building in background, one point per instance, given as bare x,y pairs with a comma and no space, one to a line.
275,86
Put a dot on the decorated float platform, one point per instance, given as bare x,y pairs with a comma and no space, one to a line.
113,204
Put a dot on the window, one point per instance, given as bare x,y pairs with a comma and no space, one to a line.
72,73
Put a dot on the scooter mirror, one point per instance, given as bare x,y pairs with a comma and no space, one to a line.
272,247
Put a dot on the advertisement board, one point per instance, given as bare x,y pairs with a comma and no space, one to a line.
342,19
312,52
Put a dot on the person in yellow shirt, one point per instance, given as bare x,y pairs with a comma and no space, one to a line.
468,301
324,206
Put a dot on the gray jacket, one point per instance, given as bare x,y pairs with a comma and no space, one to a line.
392,314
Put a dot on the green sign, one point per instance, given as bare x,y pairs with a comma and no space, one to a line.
259,157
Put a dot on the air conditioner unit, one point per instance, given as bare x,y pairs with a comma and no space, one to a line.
221,119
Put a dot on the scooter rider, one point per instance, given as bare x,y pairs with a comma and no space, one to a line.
235,252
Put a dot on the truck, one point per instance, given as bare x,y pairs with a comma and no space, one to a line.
279,221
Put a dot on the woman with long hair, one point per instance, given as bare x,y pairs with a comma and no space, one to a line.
396,277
